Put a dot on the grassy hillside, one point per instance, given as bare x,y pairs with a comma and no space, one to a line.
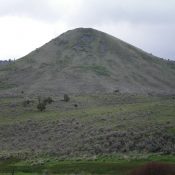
101,124
105,134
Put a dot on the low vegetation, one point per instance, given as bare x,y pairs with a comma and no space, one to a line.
104,134
66,98
41,106
100,165
97,69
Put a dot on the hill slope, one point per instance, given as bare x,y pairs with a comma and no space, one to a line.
102,124
87,61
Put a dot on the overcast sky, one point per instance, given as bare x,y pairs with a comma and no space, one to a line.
28,24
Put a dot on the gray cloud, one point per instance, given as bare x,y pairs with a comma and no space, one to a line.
93,11
148,24
134,11
37,9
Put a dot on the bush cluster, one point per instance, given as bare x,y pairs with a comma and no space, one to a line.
27,102
66,98
41,106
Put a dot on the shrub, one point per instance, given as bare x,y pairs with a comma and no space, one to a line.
48,100
66,98
75,105
41,106
42,103
26,103
116,90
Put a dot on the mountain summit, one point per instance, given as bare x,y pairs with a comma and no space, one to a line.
85,60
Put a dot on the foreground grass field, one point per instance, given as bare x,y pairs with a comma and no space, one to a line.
91,134
102,165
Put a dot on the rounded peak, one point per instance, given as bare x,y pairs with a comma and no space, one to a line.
81,31
79,34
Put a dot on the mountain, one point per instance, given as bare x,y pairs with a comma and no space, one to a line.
4,62
85,60
87,65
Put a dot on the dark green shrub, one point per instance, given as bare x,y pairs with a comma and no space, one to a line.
41,106
48,100
66,98
43,102
75,105
26,103
117,91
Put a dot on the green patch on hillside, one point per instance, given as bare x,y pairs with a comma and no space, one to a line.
5,85
172,130
97,69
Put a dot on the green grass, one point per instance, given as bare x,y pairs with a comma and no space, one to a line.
124,110
161,111
102,165
172,130
97,69
6,85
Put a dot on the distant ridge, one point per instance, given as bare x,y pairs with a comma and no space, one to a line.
2,62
